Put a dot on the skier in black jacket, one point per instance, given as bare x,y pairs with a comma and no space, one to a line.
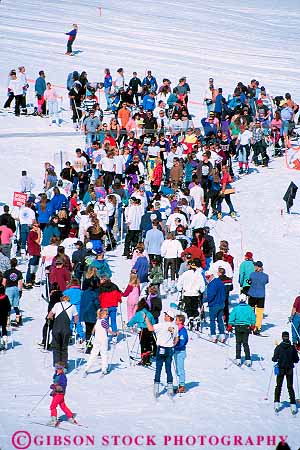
285,355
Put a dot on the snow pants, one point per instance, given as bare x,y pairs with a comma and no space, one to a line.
191,305
288,373
241,337
59,400
98,347
60,338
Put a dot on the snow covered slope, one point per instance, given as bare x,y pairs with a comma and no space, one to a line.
232,41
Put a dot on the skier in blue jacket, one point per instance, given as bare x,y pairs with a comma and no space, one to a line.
180,352
74,293
215,298
72,36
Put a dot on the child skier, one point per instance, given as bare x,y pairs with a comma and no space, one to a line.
285,355
72,36
132,292
243,318
100,343
4,313
180,352
58,388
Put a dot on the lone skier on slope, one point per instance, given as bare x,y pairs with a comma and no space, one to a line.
72,36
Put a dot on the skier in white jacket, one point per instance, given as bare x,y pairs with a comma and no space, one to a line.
100,343
171,250
191,283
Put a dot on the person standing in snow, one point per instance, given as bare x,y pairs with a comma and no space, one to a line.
216,302
180,352
5,307
285,355
192,285
132,292
295,323
15,90
141,318
167,337
62,312
58,388
72,36
245,270
257,293
100,343
242,318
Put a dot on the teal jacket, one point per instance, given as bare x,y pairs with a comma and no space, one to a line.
139,320
242,314
246,268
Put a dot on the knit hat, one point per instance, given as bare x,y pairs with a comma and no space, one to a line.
285,335
249,255
258,264
59,365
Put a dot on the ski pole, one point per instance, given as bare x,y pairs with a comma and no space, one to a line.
269,385
124,334
47,334
38,403
82,358
297,384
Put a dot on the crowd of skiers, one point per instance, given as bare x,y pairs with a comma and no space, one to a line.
152,177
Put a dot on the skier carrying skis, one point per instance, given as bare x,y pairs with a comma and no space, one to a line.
100,343
167,338
4,313
72,36
285,355
242,318
58,388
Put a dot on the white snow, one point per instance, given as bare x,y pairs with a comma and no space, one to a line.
231,41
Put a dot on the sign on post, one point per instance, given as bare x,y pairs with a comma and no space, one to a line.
19,198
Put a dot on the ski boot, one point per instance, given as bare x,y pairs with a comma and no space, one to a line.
114,340
293,409
181,390
241,171
219,215
198,323
72,420
53,422
191,323
276,407
156,390
5,342
248,362
237,362
222,338
233,214
170,390
213,338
